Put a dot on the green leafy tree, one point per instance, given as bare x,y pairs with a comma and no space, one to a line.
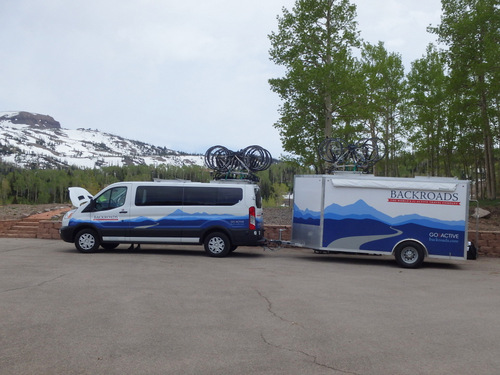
384,96
431,134
471,31
314,44
6,191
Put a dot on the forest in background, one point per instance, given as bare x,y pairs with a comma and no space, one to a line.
440,117
41,186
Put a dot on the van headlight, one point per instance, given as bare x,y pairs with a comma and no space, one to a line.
67,216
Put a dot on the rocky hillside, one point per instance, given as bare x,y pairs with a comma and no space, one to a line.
32,119
33,140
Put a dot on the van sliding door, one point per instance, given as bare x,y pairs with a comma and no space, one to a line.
156,214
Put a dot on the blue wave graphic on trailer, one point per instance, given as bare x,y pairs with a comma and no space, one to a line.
306,216
362,211
365,228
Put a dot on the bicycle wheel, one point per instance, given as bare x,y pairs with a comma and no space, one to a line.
372,150
218,158
257,158
331,149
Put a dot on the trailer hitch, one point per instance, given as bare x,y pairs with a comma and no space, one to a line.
275,245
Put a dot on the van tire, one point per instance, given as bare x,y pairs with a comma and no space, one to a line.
87,241
217,245
409,255
109,245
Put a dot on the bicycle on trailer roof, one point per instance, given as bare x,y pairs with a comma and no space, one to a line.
352,156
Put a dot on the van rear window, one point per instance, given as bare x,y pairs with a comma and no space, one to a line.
258,197
159,196
187,196
212,196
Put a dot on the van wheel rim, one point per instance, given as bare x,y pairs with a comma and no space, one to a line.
86,241
216,245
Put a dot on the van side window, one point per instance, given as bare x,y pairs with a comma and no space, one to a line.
187,196
111,198
216,196
229,197
158,196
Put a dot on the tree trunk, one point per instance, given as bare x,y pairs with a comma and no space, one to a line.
488,144
328,116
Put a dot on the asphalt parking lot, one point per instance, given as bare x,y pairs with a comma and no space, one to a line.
172,310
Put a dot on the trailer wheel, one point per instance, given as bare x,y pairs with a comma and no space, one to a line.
217,245
87,241
409,255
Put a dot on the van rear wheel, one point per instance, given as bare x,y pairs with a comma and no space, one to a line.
217,245
87,241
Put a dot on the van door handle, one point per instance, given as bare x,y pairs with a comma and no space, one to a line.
123,212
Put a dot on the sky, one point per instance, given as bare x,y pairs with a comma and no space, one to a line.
185,75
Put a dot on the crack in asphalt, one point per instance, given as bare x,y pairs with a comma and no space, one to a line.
36,285
312,357
270,308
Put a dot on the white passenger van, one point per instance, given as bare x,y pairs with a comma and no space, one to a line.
221,215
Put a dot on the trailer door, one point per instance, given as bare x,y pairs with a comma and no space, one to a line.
308,211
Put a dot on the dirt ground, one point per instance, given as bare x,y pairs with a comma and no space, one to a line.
490,223
274,216
38,211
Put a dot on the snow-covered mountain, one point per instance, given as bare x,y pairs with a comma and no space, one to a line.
30,139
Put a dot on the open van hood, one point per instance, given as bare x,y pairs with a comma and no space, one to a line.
79,196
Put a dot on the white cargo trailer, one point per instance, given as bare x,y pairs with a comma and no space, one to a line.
410,218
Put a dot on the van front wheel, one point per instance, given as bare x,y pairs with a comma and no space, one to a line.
217,245
86,241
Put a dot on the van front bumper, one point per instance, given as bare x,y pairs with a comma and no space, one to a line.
66,233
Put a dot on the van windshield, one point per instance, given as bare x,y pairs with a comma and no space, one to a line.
111,198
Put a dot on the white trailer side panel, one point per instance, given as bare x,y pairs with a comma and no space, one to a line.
367,214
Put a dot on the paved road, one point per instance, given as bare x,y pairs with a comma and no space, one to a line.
171,310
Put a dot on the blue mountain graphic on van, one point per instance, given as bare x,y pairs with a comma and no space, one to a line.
181,219
181,215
